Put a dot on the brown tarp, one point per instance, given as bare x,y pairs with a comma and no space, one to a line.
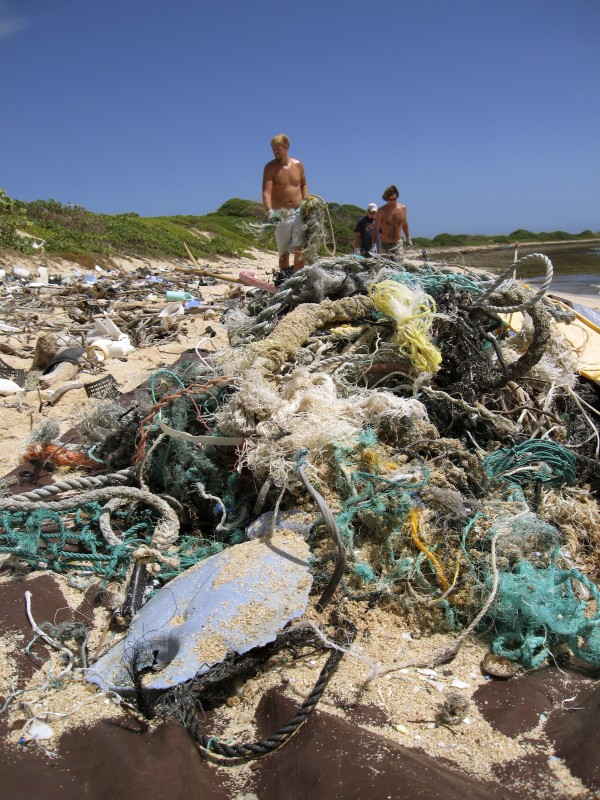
328,758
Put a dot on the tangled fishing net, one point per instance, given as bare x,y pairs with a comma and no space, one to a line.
455,450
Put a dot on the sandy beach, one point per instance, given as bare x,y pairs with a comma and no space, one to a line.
381,675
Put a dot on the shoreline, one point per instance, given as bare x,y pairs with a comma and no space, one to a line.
489,248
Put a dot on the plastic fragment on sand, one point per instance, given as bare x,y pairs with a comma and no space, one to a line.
458,684
249,279
38,731
8,387
232,602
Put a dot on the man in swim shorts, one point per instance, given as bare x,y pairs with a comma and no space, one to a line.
390,222
283,190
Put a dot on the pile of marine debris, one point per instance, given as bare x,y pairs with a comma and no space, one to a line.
411,437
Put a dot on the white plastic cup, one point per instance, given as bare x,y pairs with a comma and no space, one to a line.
8,387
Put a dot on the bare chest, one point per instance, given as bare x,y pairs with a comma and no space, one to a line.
288,175
394,216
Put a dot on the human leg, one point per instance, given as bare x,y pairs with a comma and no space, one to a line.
284,233
296,243
298,260
394,251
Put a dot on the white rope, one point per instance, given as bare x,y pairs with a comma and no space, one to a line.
509,274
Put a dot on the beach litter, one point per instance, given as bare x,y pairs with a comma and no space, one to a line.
442,459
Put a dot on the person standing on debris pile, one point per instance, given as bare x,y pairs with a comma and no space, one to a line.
283,190
363,232
389,223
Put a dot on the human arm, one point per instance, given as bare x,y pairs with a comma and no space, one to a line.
405,228
303,184
267,189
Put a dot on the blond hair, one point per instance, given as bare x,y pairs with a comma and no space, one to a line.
281,138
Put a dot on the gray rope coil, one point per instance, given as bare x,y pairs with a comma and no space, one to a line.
329,519
87,482
508,275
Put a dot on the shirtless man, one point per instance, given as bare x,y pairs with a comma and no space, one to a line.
283,190
390,222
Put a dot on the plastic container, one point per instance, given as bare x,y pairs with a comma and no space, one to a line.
173,296
101,349
172,310
8,387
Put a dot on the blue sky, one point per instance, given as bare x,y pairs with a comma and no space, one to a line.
485,114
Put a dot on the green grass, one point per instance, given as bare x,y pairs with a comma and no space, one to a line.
73,232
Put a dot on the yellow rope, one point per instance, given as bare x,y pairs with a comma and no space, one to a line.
412,313
414,522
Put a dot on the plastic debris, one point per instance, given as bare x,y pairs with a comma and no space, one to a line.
37,730
101,349
8,387
232,602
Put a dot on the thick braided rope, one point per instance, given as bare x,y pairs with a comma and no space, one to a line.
385,355
89,482
234,753
508,274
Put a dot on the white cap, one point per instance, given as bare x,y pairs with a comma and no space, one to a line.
372,207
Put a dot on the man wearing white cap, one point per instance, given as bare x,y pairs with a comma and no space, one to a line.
363,232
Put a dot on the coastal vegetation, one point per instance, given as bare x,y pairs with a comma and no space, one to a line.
71,231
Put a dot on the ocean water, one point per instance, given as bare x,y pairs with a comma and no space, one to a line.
576,266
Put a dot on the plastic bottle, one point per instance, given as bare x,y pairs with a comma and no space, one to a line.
174,296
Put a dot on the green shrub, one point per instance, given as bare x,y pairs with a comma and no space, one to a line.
72,231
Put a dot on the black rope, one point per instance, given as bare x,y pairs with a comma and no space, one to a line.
232,754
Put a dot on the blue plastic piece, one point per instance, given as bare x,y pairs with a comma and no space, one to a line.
232,602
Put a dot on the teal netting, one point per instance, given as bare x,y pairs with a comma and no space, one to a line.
71,541
537,610
534,460
372,501
432,282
